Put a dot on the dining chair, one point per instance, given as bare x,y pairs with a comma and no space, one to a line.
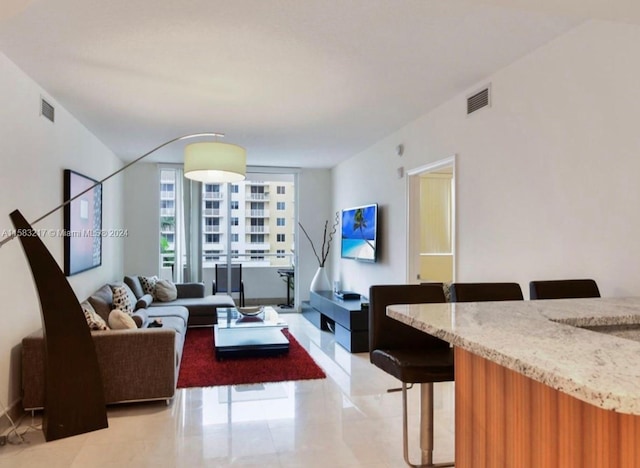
237,285
410,355
563,289
480,292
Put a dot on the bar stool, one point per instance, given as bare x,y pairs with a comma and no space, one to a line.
410,355
480,292
563,289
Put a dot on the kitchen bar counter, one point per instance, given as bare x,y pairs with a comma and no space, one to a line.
534,388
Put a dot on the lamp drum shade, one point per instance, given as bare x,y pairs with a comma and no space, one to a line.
213,161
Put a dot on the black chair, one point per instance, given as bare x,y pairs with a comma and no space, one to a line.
563,289
409,355
480,292
237,285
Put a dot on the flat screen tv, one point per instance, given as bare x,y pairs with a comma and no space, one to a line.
359,233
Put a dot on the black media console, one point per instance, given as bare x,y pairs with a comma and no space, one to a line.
348,319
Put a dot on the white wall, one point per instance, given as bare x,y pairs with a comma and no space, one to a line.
34,154
547,178
142,217
314,208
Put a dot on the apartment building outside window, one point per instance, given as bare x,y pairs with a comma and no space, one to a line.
251,230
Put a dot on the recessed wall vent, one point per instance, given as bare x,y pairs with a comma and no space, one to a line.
478,100
47,110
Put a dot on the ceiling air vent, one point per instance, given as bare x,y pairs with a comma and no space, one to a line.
478,100
47,110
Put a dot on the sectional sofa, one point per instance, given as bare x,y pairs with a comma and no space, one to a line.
136,364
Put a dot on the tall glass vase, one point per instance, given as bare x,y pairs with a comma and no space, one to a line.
320,282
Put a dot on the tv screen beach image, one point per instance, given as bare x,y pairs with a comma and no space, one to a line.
359,233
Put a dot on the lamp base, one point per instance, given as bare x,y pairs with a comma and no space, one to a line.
74,400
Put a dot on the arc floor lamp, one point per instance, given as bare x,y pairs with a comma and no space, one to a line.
74,400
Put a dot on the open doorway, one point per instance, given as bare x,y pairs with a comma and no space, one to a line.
431,222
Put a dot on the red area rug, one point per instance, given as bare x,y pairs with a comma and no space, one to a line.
199,367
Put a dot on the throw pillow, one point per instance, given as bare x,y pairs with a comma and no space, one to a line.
122,300
148,284
166,291
94,321
119,320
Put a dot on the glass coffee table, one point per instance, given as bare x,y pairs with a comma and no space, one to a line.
238,335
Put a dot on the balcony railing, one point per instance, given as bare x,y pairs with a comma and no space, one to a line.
212,195
167,212
211,211
257,196
259,213
258,229
167,195
212,229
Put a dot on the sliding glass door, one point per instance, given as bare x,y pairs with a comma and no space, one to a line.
249,223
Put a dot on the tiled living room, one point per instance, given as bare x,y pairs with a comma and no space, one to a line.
523,116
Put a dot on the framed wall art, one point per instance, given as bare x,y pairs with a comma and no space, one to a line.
82,224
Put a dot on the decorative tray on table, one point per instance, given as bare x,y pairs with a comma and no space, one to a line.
249,311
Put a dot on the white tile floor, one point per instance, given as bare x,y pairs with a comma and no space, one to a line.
345,420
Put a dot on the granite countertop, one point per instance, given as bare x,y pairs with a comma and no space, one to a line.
543,341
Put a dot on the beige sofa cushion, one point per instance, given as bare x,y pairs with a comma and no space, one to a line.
120,320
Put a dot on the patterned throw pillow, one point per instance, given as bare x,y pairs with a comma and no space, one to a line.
122,300
148,284
94,321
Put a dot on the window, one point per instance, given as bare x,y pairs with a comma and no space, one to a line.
170,237
256,254
212,238
211,255
244,211
209,222
167,217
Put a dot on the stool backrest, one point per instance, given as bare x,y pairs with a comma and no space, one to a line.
388,333
563,289
480,292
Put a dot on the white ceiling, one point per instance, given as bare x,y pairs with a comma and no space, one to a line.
303,83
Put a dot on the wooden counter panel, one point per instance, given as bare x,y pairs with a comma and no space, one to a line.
504,419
